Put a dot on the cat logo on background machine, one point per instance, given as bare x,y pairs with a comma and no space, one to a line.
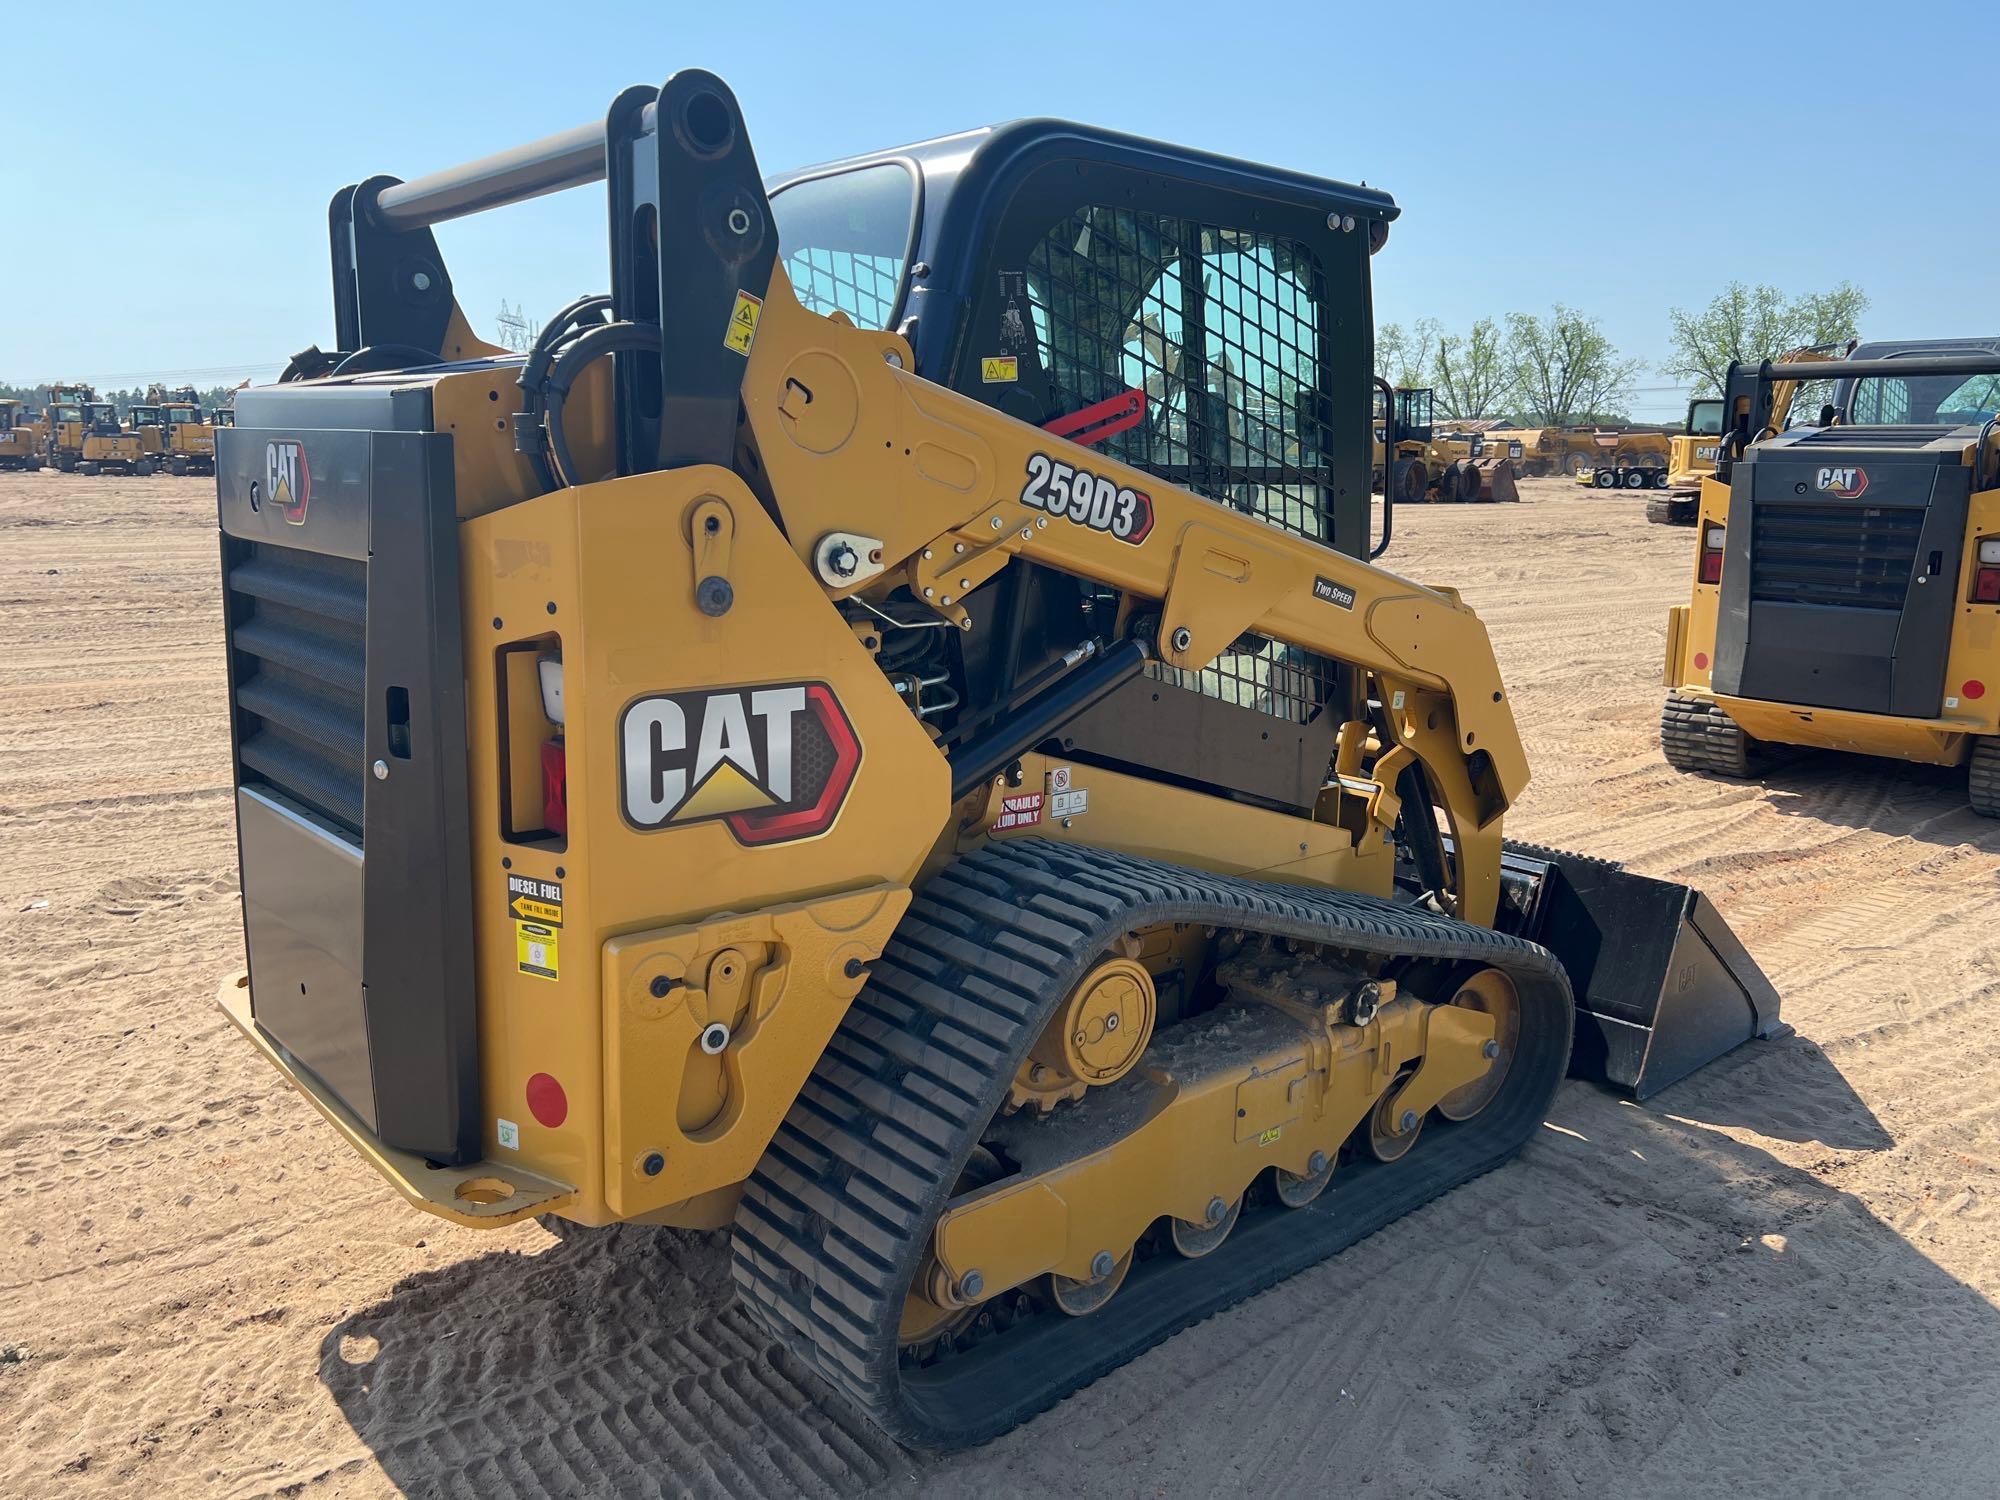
774,763
1848,484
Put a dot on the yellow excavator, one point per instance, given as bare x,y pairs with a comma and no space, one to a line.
873,737
21,436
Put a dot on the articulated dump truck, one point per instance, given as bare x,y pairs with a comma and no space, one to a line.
933,790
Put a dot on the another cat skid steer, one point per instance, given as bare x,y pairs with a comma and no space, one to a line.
879,736
1846,584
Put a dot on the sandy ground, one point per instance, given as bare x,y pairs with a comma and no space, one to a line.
1780,1276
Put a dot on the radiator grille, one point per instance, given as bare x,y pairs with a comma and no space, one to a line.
297,623
1855,557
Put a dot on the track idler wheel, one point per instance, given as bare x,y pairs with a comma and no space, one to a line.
1196,1240
1492,993
1392,1130
1081,1298
1296,1190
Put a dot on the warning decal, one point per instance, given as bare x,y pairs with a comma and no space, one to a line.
999,369
532,900
535,949
1020,811
742,330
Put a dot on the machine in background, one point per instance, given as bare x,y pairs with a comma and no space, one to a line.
1846,587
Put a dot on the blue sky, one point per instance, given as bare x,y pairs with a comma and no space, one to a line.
169,219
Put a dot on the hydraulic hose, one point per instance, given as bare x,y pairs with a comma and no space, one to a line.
574,359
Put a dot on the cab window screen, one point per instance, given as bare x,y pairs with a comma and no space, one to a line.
845,240
1220,328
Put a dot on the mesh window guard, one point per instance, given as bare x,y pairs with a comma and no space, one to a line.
862,286
1220,328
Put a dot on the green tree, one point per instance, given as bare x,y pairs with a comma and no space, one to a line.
1473,374
1403,356
1563,368
1754,323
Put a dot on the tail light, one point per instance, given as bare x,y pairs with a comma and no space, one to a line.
555,759
555,788
1711,553
1986,577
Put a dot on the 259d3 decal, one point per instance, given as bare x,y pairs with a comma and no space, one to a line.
1088,499
772,762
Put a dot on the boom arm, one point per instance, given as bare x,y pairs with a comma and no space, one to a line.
947,491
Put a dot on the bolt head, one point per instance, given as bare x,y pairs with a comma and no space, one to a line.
1490,1051
1408,1122
996,523
713,596
661,987
1182,638
1101,1264
654,1164
381,769
1111,1021
971,1285
1316,1163
842,561
739,221
1216,1209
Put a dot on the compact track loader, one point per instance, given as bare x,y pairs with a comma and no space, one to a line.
880,736
1846,586
1690,459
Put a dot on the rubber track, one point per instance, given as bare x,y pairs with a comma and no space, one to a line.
837,1216
1695,735
1671,509
1982,781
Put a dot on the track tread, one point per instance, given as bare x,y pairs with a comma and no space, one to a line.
1697,736
1982,778
836,1216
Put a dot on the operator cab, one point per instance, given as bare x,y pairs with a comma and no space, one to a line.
1204,319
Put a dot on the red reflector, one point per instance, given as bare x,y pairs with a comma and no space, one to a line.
1986,586
555,788
1701,661
546,1100
1711,567
1973,689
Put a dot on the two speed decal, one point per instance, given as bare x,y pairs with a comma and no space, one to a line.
1087,499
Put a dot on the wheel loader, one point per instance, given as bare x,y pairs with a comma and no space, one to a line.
1431,465
20,437
1847,569
880,736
